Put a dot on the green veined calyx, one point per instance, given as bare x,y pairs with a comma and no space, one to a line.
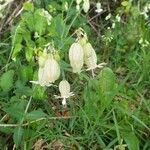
64,89
76,57
49,71
90,58
52,69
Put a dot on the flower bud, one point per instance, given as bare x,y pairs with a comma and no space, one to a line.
86,5
76,57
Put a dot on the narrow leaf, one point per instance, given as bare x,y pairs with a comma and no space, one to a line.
17,137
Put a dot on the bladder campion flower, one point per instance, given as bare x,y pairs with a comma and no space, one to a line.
98,8
78,4
90,58
86,5
64,89
49,71
52,69
118,18
76,57
108,16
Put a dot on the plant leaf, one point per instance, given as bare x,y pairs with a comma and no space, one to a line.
6,80
36,114
131,140
17,137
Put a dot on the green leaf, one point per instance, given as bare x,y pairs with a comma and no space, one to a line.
25,73
17,137
107,86
131,140
36,114
125,3
23,90
39,93
6,80
106,80
29,53
40,22
16,110
28,20
16,50
57,27
28,6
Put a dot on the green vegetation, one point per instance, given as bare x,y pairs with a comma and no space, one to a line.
107,106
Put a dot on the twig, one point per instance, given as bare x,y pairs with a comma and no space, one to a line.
97,15
40,119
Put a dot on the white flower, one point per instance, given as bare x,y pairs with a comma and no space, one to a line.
90,58
144,14
46,14
76,57
86,5
64,89
52,69
66,6
98,8
48,72
78,7
118,18
143,43
78,2
42,80
113,25
108,16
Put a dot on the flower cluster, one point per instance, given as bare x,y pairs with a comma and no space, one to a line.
81,52
85,6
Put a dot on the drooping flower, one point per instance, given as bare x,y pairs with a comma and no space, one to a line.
108,16
86,5
98,8
52,69
42,58
118,18
64,89
49,71
78,2
90,58
46,14
76,57
78,7
66,6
